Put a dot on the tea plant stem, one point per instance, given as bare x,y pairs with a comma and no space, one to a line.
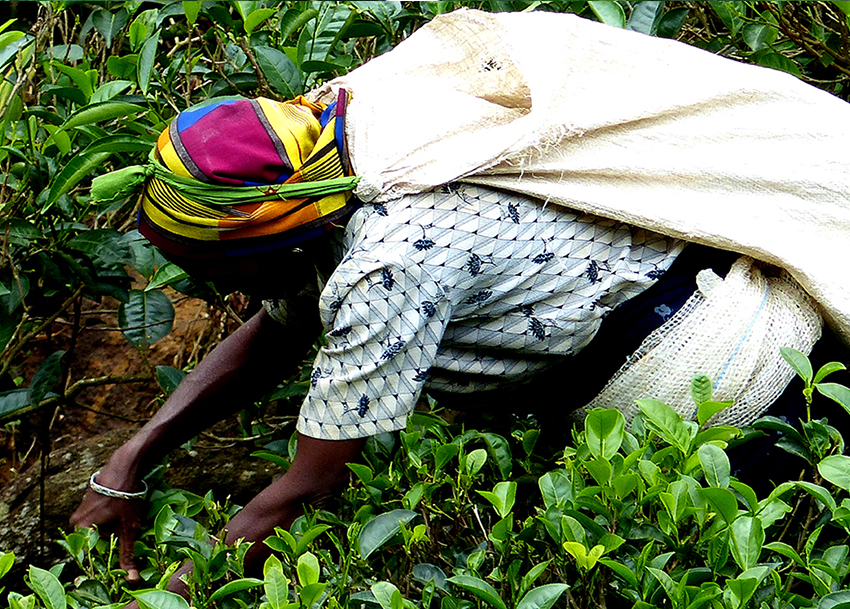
792,27
72,392
478,520
107,414
8,354
234,440
261,78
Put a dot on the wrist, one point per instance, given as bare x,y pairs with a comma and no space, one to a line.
121,472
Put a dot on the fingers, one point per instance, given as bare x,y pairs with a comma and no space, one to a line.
128,532
95,510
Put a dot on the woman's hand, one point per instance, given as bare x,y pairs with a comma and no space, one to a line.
121,517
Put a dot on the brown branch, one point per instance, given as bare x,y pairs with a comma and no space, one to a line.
10,351
73,391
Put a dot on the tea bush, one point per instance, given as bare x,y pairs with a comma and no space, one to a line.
645,516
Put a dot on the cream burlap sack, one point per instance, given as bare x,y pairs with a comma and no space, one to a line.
731,330
647,131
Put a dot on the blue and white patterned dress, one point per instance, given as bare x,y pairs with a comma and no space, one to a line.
462,289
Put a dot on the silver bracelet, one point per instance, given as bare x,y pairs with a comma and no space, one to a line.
111,492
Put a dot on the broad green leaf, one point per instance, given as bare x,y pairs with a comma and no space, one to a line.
46,377
542,597
109,24
110,89
82,165
6,563
818,492
784,64
572,530
722,501
383,11
502,498
137,33
500,451
381,529
785,550
609,13
79,77
307,538
310,594
746,492
668,424
728,13
475,461
7,38
771,510
426,572
836,469
746,540
715,465
775,424
556,488
843,6
276,585
701,389
58,137
443,454
120,143
308,569
529,440
835,392
742,588
159,599
146,317
280,71
604,431
645,16
169,378
294,19
536,571
600,470
123,67
166,275
237,585
708,409
317,41
99,112
244,8
146,62
256,18
667,583
621,570
478,587
104,246
47,587
387,595
611,541
13,400
191,8
799,363
835,600
829,367
757,35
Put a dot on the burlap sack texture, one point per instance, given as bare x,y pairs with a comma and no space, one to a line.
644,130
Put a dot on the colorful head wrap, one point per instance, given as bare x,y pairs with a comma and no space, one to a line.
237,176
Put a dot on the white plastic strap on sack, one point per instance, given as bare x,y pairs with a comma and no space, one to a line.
731,330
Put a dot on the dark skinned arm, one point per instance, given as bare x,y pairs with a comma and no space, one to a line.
241,369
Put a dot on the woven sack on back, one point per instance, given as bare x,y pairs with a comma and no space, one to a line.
731,330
